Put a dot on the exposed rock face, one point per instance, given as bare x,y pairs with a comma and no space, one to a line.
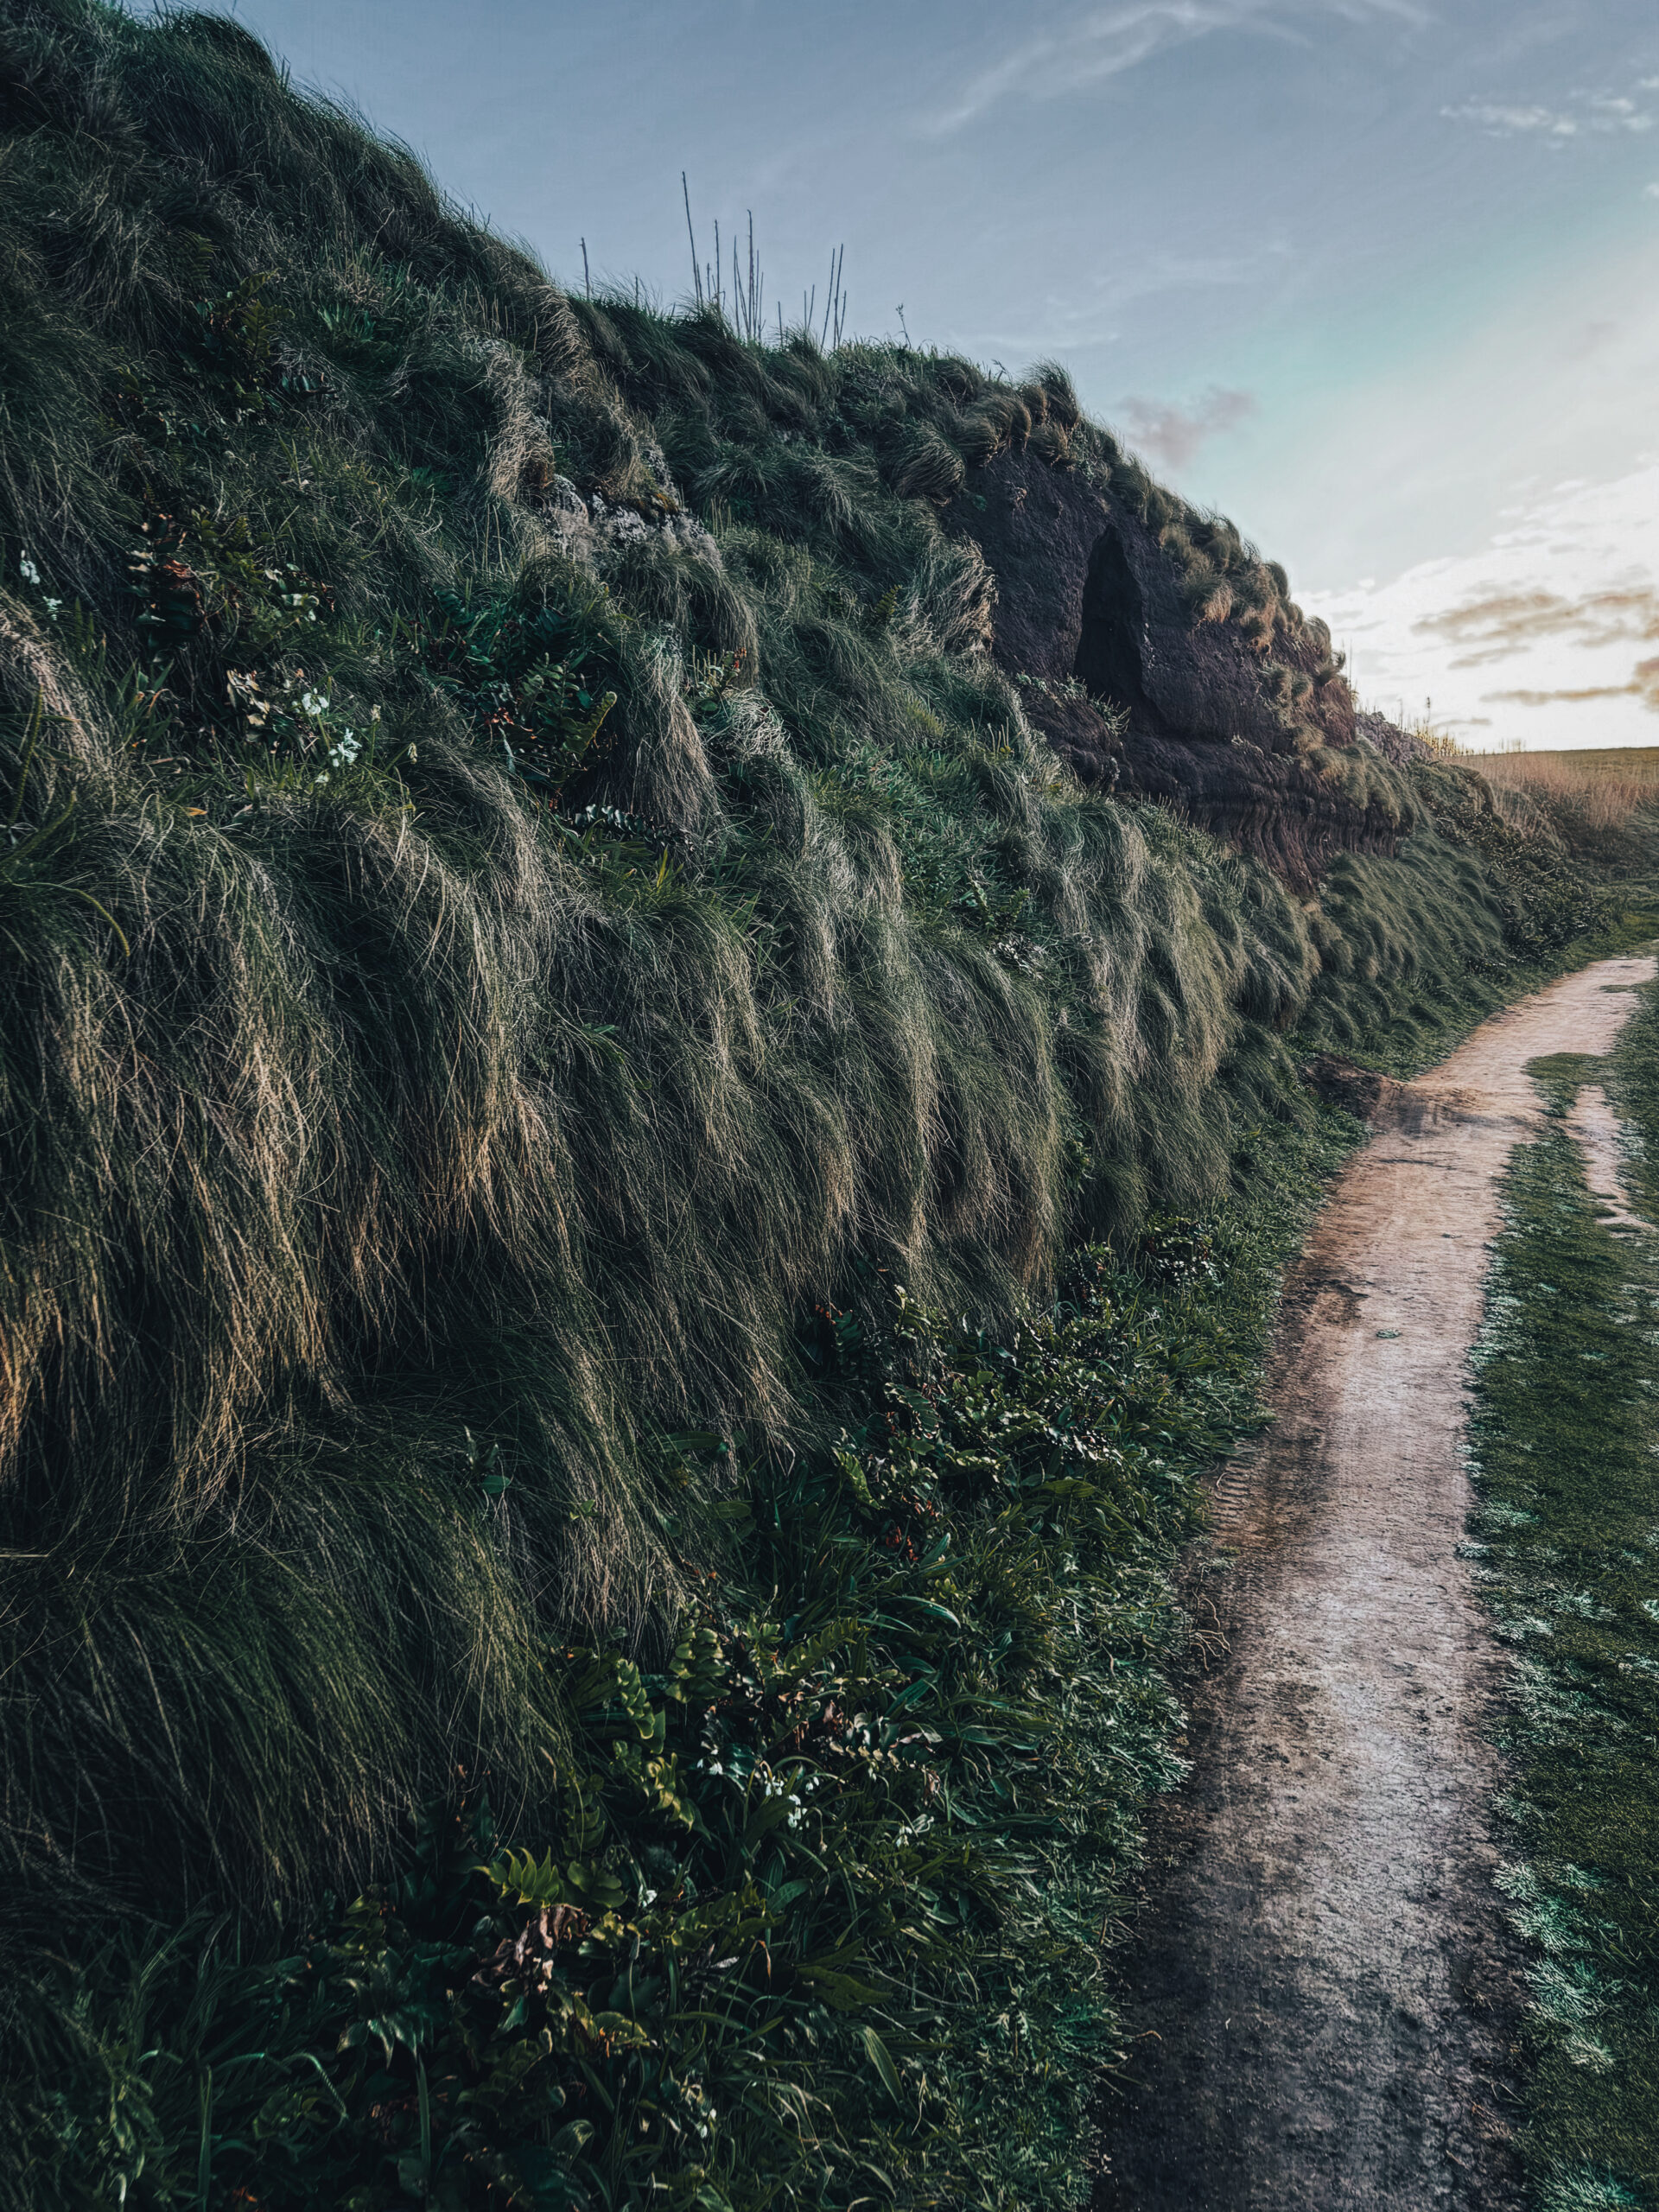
1391,741
1362,1092
1179,677
1090,608
589,525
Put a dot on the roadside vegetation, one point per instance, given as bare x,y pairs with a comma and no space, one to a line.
627,1213
822,1913
1565,1541
1603,804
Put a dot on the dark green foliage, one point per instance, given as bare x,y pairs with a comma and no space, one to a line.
522,881
1568,1542
820,1904
527,668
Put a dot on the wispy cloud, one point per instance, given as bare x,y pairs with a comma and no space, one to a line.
1600,114
1551,630
1507,122
1643,685
1498,624
1105,42
1619,114
1091,313
1174,434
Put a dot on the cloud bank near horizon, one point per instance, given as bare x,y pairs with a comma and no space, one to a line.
1538,639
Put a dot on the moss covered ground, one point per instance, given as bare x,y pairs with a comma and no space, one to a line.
625,1213
1566,1540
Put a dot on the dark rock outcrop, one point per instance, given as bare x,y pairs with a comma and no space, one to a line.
1362,1092
1092,615
1391,741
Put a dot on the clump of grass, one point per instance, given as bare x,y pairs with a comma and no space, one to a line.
1567,1546
1416,949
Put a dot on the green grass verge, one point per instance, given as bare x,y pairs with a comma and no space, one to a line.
1565,1539
823,1917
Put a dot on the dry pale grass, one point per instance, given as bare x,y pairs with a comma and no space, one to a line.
1584,796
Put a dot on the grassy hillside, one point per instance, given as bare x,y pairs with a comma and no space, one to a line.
581,1095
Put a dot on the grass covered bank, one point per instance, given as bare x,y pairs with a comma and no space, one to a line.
1566,1538
822,1917
533,918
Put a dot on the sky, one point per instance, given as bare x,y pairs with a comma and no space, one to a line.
1379,278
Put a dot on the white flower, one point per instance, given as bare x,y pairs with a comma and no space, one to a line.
26,569
314,704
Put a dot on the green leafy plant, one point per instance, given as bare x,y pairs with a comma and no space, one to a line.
520,673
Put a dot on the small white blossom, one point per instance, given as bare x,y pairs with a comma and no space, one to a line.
26,569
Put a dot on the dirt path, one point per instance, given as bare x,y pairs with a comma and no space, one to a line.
1327,1975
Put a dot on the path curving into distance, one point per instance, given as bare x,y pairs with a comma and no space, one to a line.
1326,1975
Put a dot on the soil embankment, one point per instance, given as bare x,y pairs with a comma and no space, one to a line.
1327,1969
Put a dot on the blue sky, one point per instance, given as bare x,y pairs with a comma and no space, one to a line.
1378,277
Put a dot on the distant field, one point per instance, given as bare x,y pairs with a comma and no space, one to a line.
1586,797
1622,762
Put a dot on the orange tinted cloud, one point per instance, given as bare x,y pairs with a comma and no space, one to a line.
1643,685
1504,622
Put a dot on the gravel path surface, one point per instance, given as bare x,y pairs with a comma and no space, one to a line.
1327,2007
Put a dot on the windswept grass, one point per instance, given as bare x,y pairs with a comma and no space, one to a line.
1416,950
524,893
820,1911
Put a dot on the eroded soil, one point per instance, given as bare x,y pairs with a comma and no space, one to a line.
1327,2009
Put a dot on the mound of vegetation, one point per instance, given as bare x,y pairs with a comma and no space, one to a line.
591,1421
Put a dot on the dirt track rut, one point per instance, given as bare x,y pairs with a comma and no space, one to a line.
1326,2008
